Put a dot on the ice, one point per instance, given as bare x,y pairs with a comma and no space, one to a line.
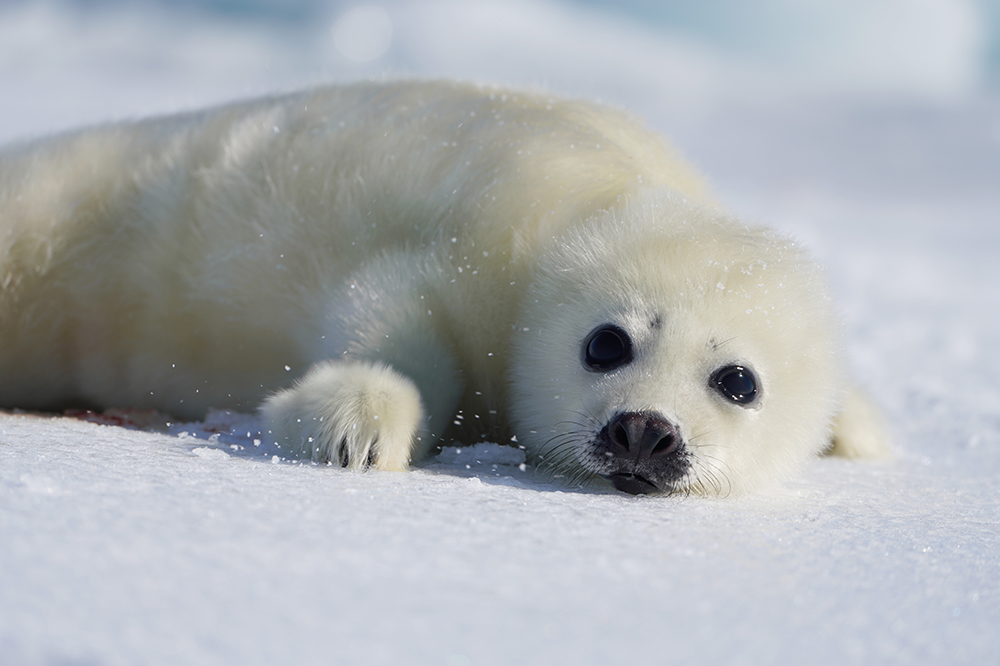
127,538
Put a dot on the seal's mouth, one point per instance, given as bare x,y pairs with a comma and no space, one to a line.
633,484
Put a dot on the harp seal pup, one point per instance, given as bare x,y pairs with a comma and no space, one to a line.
384,267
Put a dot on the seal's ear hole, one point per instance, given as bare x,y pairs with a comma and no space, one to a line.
736,384
606,348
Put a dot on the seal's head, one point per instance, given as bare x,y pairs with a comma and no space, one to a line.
667,348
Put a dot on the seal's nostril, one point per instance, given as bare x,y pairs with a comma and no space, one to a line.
665,446
642,435
619,435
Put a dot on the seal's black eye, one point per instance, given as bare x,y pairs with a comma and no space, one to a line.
736,383
606,348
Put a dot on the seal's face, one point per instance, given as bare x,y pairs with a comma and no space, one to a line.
666,350
645,451
657,396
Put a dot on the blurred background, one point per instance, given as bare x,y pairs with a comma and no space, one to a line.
871,96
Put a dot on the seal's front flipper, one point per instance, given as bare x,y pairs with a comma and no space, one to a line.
356,415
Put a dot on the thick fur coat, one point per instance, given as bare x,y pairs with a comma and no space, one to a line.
384,267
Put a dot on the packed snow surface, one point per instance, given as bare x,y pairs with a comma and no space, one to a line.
127,547
129,539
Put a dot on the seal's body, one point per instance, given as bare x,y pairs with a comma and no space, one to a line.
387,266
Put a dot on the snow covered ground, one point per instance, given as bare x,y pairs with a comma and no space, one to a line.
194,546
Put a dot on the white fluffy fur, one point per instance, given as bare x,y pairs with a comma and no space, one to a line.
354,413
427,259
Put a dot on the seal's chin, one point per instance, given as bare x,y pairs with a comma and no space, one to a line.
633,484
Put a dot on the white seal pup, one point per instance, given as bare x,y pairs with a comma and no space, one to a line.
383,267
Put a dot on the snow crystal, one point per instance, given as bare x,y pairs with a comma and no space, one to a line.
209,453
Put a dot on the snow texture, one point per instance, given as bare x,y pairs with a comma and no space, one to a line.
190,543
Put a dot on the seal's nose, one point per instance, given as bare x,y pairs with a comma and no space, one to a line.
642,436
